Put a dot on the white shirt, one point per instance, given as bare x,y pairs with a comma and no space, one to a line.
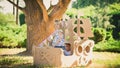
67,53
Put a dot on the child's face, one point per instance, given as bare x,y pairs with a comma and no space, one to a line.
57,26
67,47
61,34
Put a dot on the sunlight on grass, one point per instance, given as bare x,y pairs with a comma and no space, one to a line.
107,59
7,51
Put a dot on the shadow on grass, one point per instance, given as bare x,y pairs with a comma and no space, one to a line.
19,60
115,66
18,66
108,50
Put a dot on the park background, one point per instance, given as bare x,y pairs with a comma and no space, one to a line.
105,19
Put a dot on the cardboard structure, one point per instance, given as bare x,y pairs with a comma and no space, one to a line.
81,48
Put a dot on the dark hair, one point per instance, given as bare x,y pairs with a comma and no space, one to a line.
56,20
68,44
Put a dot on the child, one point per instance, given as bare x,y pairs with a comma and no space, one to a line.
67,51
58,36
58,40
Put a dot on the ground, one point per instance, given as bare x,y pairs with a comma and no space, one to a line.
18,58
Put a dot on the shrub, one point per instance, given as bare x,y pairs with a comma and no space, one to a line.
114,8
99,34
109,35
110,45
11,35
72,13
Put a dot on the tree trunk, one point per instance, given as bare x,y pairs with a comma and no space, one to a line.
13,8
17,13
37,28
40,22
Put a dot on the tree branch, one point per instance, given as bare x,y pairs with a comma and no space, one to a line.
50,8
22,9
60,9
45,13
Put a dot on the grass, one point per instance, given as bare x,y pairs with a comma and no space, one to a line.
21,60
15,58
106,59
109,46
13,61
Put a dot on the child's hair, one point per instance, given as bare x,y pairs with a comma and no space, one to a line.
68,44
67,51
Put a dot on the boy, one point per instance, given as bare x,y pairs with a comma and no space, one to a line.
67,51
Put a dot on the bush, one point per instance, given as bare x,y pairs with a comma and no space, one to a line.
114,8
99,34
11,35
72,13
111,46
109,35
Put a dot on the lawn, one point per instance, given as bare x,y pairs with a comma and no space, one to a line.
17,58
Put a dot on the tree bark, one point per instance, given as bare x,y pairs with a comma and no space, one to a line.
17,13
40,24
13,8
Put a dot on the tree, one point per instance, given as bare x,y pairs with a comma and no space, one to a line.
17,13
1,6
101,3
39,20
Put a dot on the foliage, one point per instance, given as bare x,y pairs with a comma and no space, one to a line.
87,12
6,18
2,19
84,3
72,13
98,16
101,18
99,11
99,34
114,8
110,45
115,20
11,35
109,35
103,14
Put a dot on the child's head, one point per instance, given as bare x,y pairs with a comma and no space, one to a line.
57,25
68,46
61,33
